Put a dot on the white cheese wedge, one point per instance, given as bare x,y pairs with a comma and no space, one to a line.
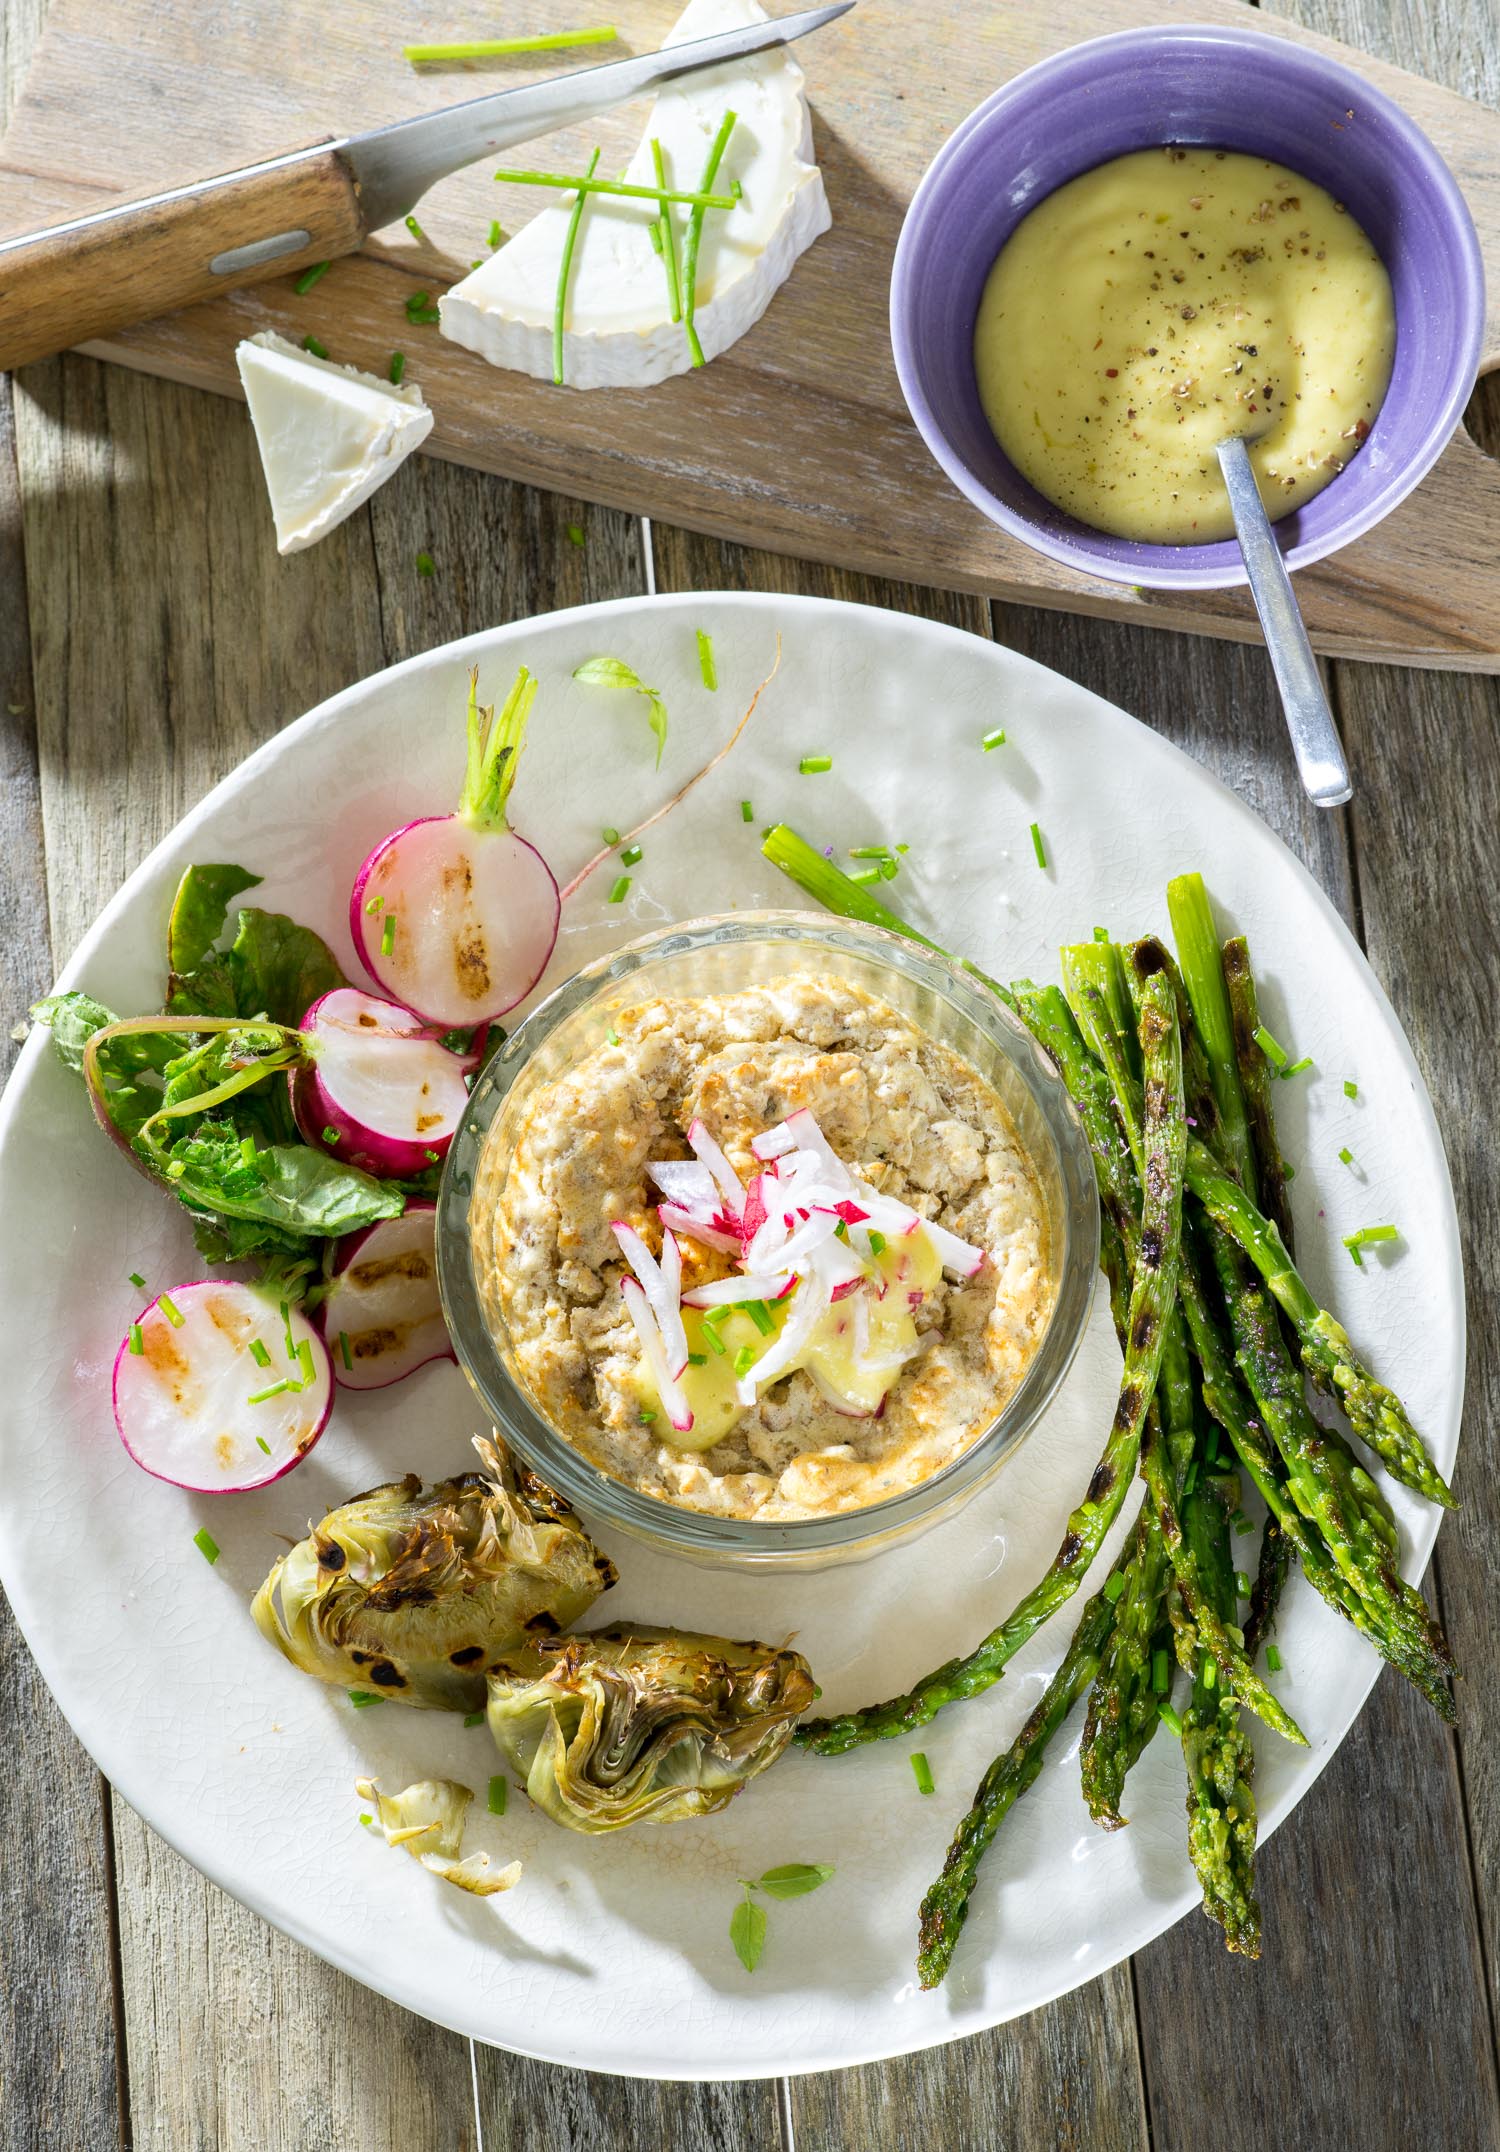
618,331
328,435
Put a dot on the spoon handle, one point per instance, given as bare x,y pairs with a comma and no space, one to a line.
1309,721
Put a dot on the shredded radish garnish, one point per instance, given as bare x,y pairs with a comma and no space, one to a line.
674,1403
664,1297
702,1145
729,1292
801,1228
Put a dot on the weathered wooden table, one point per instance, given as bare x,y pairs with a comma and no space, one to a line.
149,639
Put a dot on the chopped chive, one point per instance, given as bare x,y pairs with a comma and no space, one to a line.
1243,1524
1169,1717
473,1718
497,48
841,1230
1289,1172
815,765
425,316
499,1794
744,1360
1114,1584
877,1242
330,1135
1161,1673
397,368
365,1816
747,812
1274,1052
258,1352
415,300
760,1314
137,1280
869,851
309,277
713,1341
706,665
497,236
363,1698
565,272
1346,1156
388,935
621,889
1273,1658
1101,934
1295,1068
137,1340
665,236
1210,1674
1351,1088
261,1443
698,1359
305,1362
1242,1583
344,1353
1368,1236
993,739
630,857
207,1545
865,874
318,349
610,836
277,1389
286,1330
695,238
426,565
176,1170
373,905
1037,845
648,1414
416,230
922,1772
174,1314
717,1317
575,534
612,1036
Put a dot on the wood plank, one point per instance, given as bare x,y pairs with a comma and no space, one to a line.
536,2107
59,2056
168,641
813,451
1073,2077
1372,1871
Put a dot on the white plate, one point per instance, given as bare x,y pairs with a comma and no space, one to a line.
614,1954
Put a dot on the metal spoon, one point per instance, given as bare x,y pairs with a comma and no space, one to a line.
1309,721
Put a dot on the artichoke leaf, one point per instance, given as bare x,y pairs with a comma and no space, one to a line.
428,1820
643,1725
416,1593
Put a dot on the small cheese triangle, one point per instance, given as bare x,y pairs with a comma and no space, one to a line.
328,435
619,331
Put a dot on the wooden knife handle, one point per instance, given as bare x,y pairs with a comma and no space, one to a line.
82,279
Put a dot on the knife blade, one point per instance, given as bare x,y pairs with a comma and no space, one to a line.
89,276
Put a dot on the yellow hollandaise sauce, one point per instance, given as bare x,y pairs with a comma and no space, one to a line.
1163,301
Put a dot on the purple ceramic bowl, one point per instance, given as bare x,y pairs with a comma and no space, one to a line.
1229,89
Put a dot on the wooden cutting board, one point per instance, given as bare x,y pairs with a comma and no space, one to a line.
797,439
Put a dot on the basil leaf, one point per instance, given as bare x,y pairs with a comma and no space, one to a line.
199,911
795,1880
747,1932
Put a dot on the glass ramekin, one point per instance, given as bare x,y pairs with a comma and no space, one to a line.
723,956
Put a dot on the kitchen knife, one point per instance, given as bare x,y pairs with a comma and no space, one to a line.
82,279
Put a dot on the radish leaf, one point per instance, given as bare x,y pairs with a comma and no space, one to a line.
199,910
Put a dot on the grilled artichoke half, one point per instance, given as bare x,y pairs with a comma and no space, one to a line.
643,1725
416,1593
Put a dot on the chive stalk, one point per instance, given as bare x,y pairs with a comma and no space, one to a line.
207,1545
309,277
695,238
501,48
565,272
706,666
666,236
631,190
922,1772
